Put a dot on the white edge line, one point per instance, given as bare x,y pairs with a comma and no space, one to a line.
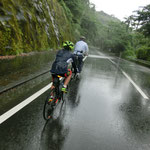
21,105
97,56
15,109
140,91
111,61
133,83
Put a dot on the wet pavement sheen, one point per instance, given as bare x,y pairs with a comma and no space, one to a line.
102,111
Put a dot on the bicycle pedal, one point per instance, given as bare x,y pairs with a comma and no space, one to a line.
49,117
51,99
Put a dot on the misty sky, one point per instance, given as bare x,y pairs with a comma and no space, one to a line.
119,8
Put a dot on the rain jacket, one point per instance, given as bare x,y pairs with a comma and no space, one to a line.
62,60
81,48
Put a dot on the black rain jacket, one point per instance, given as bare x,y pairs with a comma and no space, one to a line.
60,65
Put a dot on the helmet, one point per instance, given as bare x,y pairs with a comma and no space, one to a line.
82,38
68,45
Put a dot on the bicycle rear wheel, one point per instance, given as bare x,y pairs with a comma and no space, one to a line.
49,105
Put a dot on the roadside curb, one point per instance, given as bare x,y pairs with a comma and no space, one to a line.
140,62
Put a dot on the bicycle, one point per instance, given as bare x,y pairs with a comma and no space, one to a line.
57,94
76,55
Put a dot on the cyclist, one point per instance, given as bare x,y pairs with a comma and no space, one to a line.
60,66
81,49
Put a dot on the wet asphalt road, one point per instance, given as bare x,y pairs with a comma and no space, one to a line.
102,111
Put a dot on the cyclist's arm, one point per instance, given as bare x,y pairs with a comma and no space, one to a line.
70,60
86,50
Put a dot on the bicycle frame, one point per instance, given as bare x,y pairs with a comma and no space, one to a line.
77,55
58,83
57,94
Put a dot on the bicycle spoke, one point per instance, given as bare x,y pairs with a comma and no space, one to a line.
55,96
49,105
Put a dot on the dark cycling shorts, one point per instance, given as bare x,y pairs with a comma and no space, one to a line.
63,75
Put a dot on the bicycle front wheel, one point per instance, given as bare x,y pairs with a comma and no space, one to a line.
49,106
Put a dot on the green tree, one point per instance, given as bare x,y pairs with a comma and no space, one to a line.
141,20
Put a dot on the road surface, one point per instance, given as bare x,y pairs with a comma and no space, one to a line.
104,110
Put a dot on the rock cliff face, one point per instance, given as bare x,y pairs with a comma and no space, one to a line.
32,25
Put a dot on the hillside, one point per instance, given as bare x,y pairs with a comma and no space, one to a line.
32,26
105,18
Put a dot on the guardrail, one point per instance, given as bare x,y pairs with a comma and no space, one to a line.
18,84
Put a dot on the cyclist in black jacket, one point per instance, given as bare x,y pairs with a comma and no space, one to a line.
60,66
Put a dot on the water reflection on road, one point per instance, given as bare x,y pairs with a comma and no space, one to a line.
23,68
55,132
102,111
20,69
111,113
139,74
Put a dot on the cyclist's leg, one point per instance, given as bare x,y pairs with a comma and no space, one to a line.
68,77
80,60
53,76
51,88
67,80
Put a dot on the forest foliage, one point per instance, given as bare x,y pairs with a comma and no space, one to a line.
43,24
131,38
32,25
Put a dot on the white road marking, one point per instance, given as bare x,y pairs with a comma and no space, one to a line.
97,56
112,61
125,74
133,83
18,107
21,105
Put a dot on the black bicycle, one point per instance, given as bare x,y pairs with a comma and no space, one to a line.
57,95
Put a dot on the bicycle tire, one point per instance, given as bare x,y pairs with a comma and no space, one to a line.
57,94
60,94
49,106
